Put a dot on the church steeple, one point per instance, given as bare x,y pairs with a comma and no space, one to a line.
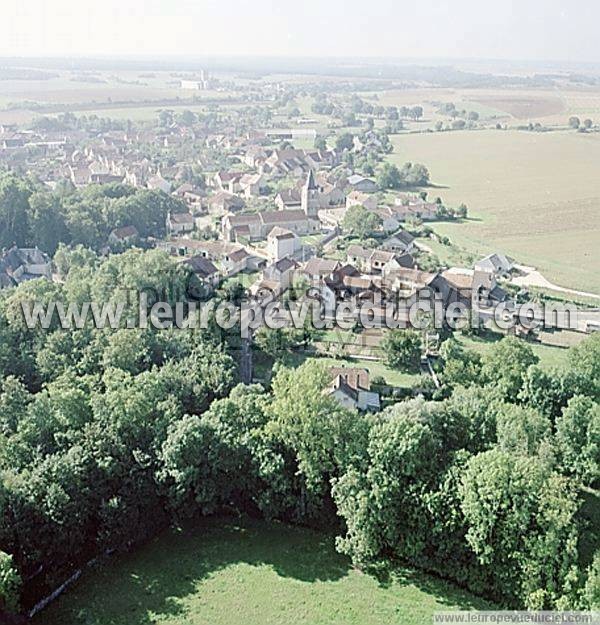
310,196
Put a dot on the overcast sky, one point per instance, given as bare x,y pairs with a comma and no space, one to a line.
565,30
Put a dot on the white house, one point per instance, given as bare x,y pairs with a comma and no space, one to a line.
316,269
179,223
352,389
400,242
282,272
252,185
498,264
204,269
282,242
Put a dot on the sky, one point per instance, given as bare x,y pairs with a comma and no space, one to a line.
537,30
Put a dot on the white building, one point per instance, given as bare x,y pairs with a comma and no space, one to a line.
282,242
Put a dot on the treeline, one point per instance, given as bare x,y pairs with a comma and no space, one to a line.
64,122
347,109
107,436
31,215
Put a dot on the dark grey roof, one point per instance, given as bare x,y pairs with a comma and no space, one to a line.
285,264
201,266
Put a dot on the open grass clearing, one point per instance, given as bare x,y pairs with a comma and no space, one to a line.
550,356
376,368
227,572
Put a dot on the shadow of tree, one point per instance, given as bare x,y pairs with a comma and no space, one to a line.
150,585
444,591
152,580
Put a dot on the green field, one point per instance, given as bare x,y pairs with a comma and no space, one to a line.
550,356
248,572
533,196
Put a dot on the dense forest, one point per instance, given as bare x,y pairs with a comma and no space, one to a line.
108,436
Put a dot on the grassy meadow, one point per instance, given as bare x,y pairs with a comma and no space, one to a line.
533,196
251,572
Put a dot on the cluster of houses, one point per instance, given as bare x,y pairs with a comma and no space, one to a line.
275,209
21,264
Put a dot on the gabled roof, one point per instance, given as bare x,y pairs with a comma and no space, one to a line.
346,270
243,220
355,179
381,256
458,277
22,258
280,233
248,179
402,236
320,266
290,196
357,283
227,176
201,266
498,294
181,218
17,256
238,254
495,262
277,217
226,199
285,264
125,232
358,251
405,260
339,384
357,378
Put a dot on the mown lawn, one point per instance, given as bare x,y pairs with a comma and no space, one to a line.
376,368
551,356
250,573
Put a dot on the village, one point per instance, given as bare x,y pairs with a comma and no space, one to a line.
273,219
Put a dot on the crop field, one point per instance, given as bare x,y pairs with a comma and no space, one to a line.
533,196
525,106
429,98
248,572
551,108
68,87
508,106
102,93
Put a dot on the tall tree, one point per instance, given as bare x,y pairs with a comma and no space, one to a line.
14,209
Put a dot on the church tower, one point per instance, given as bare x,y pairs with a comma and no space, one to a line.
310,196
